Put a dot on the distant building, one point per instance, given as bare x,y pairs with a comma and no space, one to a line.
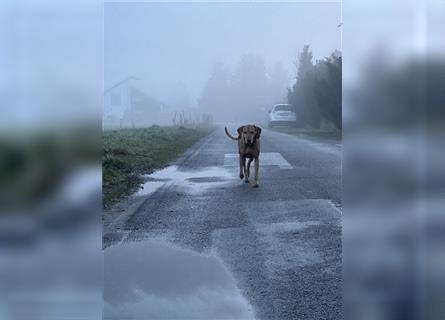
126,105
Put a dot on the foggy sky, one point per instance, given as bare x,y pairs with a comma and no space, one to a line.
171,45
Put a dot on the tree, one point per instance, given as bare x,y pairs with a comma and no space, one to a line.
278,82
249,86
304,63
245,94
214,98
328,89
301,96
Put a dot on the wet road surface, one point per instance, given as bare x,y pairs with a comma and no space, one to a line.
198,243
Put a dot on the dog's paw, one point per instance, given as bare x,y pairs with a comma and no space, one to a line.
241,176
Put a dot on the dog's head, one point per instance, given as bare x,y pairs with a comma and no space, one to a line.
248,134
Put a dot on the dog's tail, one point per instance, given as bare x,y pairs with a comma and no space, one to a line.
229,135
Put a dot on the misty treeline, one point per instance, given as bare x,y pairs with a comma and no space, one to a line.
317,92
246,93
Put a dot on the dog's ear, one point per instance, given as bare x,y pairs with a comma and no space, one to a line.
240,130
258,131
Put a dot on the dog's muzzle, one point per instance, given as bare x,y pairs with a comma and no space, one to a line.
250,144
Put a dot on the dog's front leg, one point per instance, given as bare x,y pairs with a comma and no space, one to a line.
257,168
241,167
248,170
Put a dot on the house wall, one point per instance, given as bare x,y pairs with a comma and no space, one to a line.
116,103
126,106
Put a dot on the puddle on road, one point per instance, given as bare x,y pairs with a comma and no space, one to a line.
153,280
193,181
149,187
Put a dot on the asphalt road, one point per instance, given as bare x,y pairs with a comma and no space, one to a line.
281,242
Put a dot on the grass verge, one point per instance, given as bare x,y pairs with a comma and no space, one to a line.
129,153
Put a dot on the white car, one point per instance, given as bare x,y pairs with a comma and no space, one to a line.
282,115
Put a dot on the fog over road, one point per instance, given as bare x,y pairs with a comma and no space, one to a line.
204,244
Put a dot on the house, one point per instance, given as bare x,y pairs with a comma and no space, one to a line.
127,105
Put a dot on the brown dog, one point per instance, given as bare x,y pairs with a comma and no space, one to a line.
249,148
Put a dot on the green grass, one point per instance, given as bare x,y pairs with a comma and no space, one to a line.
129,153
329,134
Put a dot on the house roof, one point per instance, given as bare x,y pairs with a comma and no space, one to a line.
137,89
121,82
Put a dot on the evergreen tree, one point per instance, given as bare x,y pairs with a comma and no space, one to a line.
302,94
328,89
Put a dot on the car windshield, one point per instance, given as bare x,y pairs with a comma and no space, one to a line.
283,108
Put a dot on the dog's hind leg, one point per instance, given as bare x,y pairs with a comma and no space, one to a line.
248,170
241,167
